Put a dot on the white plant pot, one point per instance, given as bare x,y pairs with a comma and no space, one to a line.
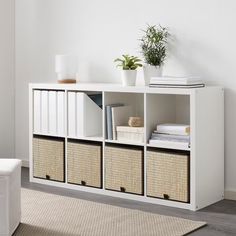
128,77
151,71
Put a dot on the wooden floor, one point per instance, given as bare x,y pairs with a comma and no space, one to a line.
220,217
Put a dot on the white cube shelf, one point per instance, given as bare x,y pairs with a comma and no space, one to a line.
202,108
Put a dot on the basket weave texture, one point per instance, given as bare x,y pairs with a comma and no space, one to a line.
48,158
168,176
124,169
84,163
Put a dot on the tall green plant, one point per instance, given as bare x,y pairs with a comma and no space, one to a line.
154,45
128,62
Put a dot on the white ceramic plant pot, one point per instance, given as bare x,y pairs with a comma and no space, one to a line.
128,77
151,71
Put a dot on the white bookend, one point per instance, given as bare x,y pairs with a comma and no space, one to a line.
120,117
61,113
52,110
44,112
89,117
72,114
37,111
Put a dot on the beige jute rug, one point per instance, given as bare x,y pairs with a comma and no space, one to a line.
46,214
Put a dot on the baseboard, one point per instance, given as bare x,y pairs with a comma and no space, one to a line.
230,195
25,163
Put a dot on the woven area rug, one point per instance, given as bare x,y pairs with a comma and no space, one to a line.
46,214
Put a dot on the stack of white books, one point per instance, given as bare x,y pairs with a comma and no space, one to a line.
173,136
176,82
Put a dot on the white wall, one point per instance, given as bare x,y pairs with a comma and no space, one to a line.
204,44
7,83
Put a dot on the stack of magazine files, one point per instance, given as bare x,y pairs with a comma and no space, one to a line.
174,136
176,82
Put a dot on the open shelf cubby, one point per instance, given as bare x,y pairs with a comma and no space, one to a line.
68,127
166,108
84,117
123,105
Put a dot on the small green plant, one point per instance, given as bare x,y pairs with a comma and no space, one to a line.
154,45
128,62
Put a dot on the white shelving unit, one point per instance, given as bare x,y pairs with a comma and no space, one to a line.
202,108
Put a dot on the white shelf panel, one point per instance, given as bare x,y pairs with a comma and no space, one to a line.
168,147
97,139
124,142
112,87
49,135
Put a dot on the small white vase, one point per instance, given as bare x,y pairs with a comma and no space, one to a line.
151,71
128,77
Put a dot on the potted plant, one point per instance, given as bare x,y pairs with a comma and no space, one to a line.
154,47
129,66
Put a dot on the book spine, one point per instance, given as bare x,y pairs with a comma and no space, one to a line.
72,114
109,123
170,139
52,112
106,116
37,111
170,136
170,144
173,130
61,113
80,113
44,112
113,124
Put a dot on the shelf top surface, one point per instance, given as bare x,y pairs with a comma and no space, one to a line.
109,87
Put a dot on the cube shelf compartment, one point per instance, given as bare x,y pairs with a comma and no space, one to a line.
93,163
168,175
49,158
124,169
84,163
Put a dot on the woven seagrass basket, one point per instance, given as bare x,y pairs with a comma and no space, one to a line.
124,169
48,158
168,175
84,163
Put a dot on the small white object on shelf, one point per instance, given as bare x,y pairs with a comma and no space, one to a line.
181,82
66,67
177,145
175,129
130,134
171,137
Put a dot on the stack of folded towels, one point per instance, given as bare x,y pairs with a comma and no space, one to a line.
172,135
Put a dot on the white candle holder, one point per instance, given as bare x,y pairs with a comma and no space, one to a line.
66,68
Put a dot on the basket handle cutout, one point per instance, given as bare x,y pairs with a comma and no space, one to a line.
166,196
122,189
48,177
